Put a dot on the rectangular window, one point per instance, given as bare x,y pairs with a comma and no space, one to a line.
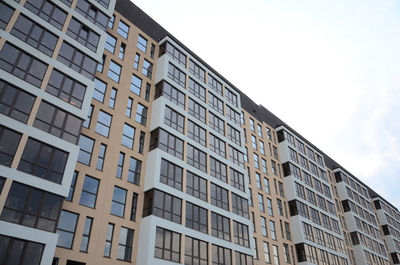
196,70
136,85
254,142
171,93
217,145
272,229
118,202
276,254
66,88
39,159
15,61
47,11
17,251
86,234
220,226
114,71
6,14
86,147
196,186
287,231
100,158
135,167
120,166
134,206
240,205
129,108
231,97
34,35
221,255
252,125
258,181
72,187
216,103
171,174
216,123
147,69
237,179
9,141
269,207
274,169
267,256
128,136
89,192
233,115
167,142
103,123
196,133
196,251
241,234
123,29
125,244
264,229
136,63
196,158
83,34
31,207
197,90
196,218
109,237
167,245
219,197
66,229
197,111
215,84
266,184
113,97
234,135
236,157
152,50
141,114
176,54
261,202
100,65
256,162
92,13
111,22
163,205
141,142
177,75
142,44
99,90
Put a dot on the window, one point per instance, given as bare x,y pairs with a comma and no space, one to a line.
171,174
166,142
134,206
287,231
120,166
264,226
141,142
216,123
129,108
100,65
267,256
141,114
113,97
15,103
196,252
243,259
233,115
272,229
22,65
269,207
241,234
216,103
252,124
262,150
266,184
261,202
39,159
176,54
77,60
9,141
196,158
236,157
111,22
197,90
152,50
195,132
123,29
256,162
171,93
219,197
300,191
99,90
196,217
86,234
254,142
214,84
147,68
163,205
258,180
6,14
280,208
66,229
196,186
47,11
217,145
221,255
17,251
91,13
66,88
177,75
100,158
34,35
142,44
136,63
231,97
128,136
167,245
196,70
220,226
84,35
274,170
197,111
275,254
86,147
125,244
103,123
135,167
234,135
109,237
118,202
240,205
89,192
114,71
136,85
237,179
72,187
31,207
264,165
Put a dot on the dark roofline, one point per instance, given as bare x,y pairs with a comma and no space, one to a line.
148,25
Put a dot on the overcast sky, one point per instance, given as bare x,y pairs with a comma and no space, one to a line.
329,69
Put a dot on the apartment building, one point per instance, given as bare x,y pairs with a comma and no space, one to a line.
48,57
120,145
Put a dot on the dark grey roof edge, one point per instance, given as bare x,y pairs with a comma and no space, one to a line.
148,25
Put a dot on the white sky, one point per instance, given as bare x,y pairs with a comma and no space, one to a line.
329,69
